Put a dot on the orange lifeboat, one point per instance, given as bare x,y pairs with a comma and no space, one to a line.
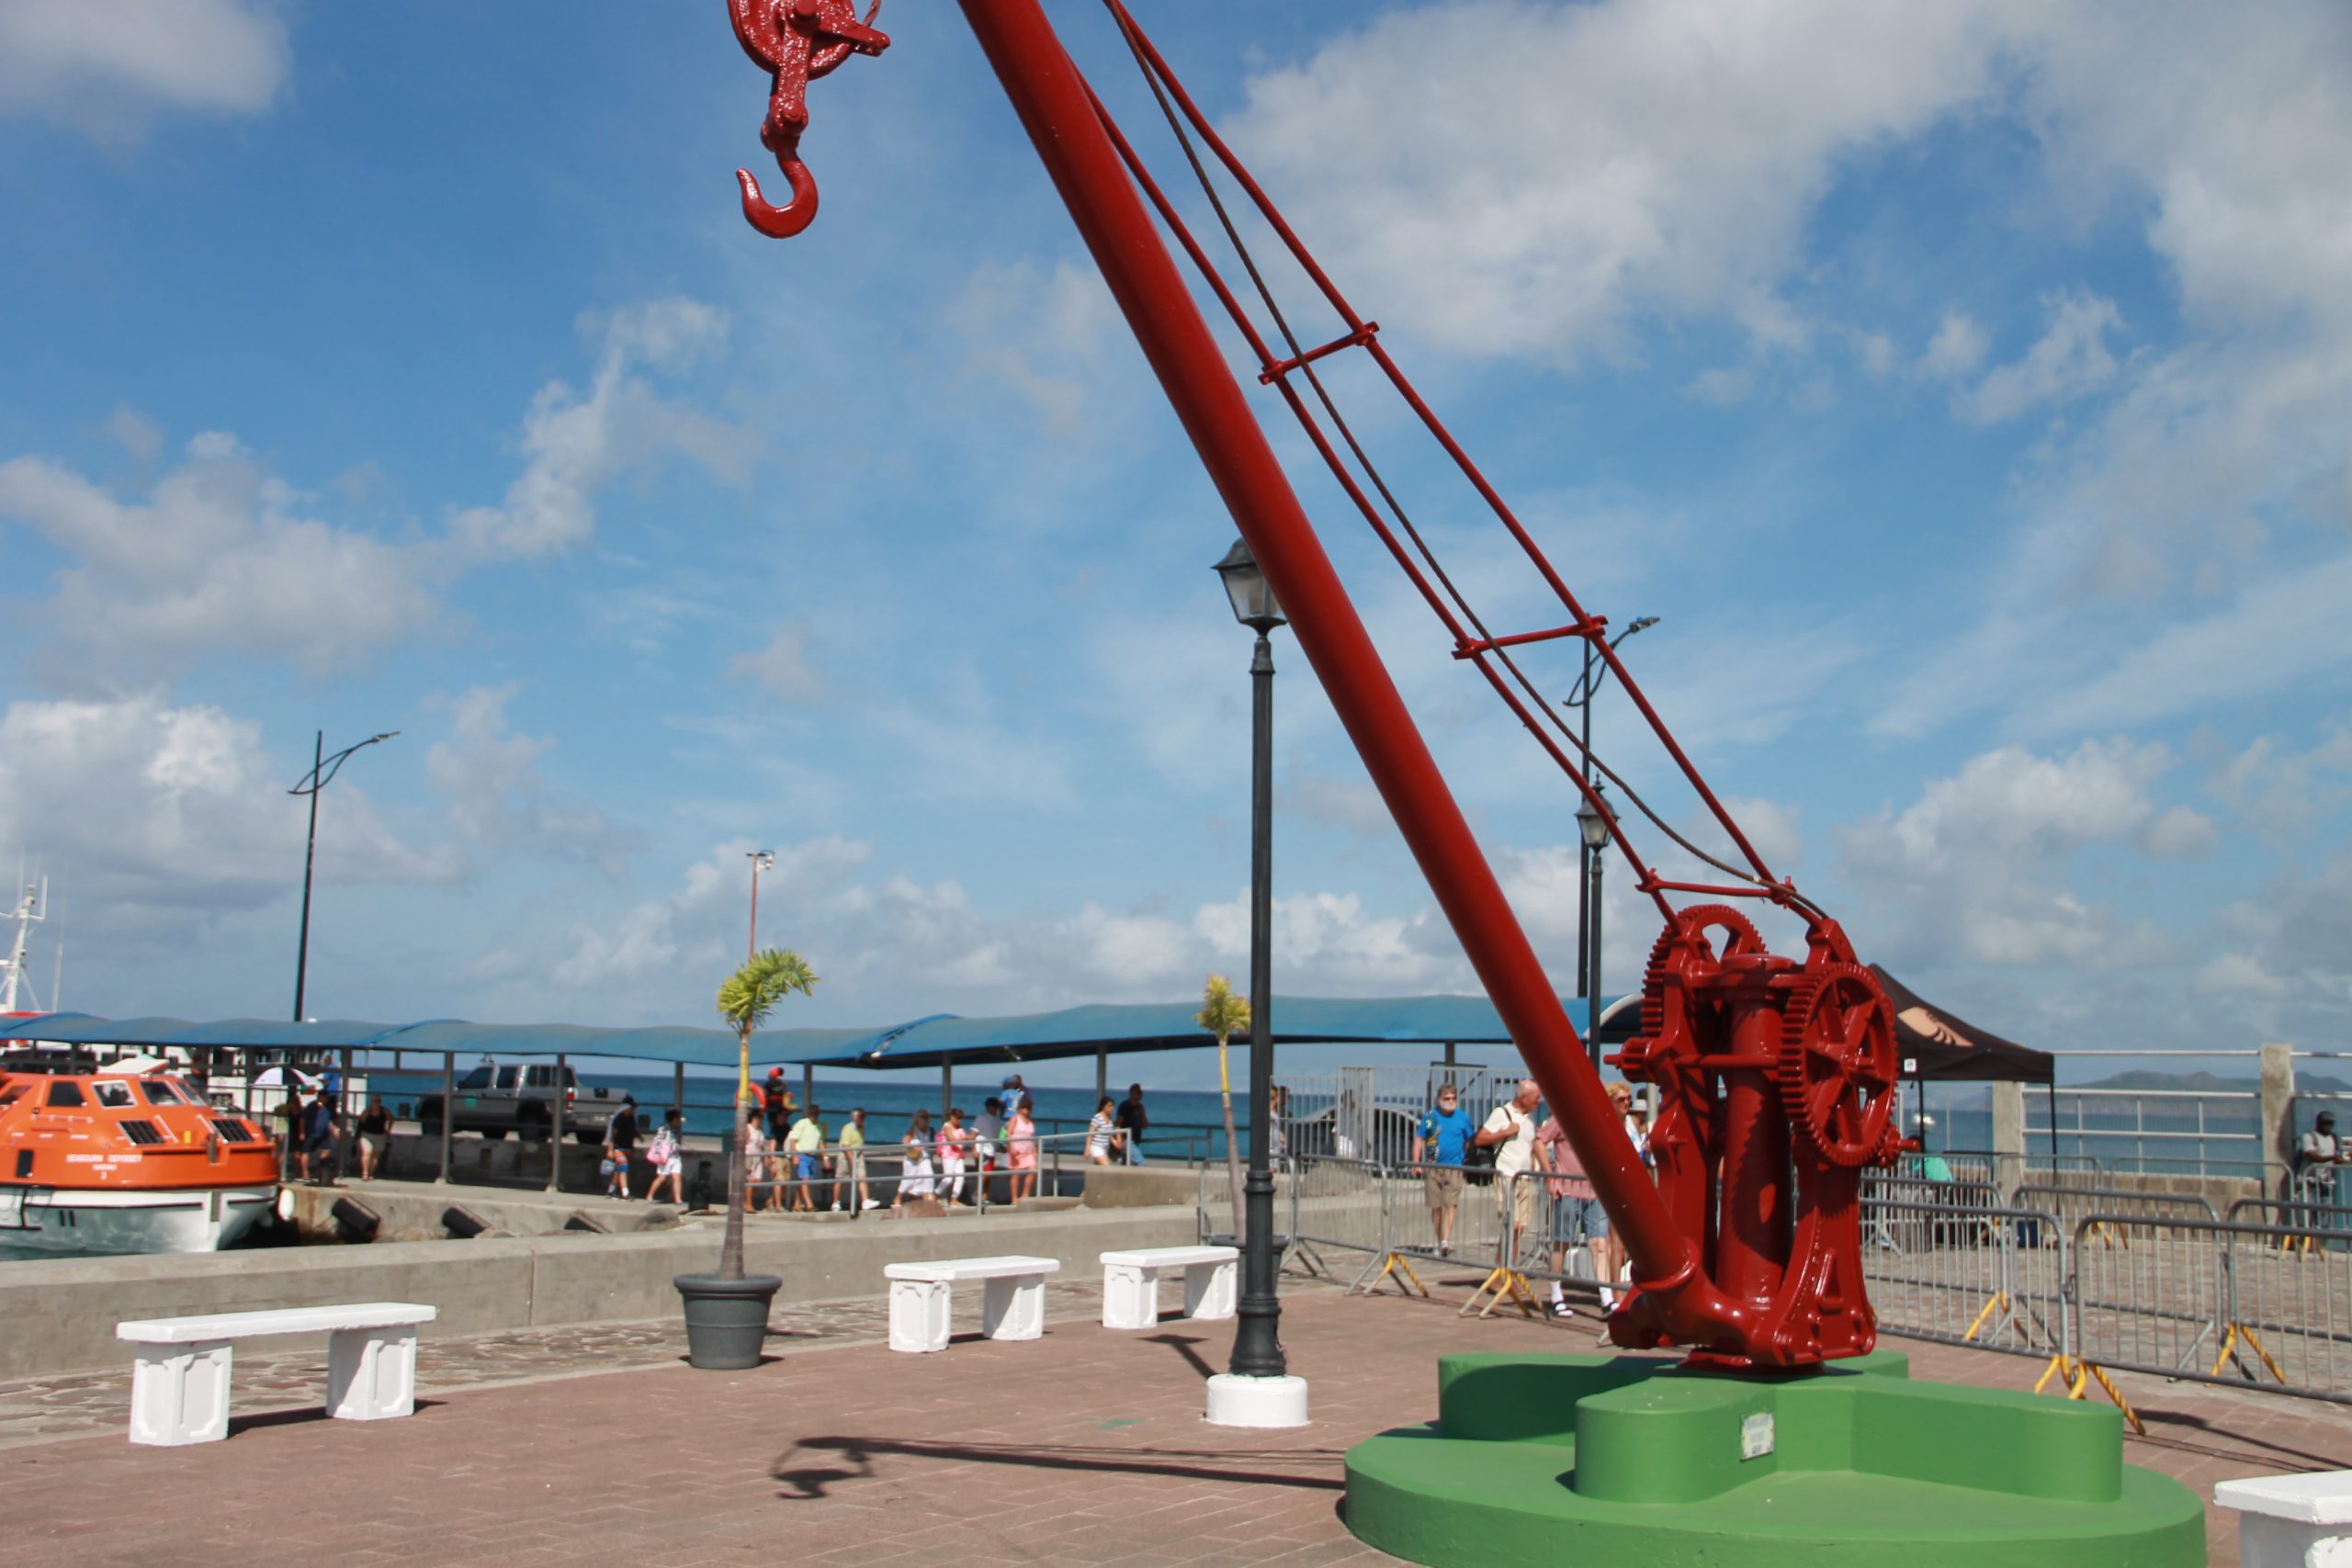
93,1160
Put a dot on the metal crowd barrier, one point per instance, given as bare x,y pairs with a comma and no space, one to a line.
1342,1205
2072,1205
2218,1302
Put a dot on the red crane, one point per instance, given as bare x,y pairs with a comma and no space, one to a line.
1776,1076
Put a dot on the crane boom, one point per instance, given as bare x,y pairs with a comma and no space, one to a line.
1730,1253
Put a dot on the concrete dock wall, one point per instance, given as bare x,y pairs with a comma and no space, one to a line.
59,1315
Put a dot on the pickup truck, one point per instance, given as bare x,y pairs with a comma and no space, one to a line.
494,1101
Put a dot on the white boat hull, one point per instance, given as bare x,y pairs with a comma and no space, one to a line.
53,1220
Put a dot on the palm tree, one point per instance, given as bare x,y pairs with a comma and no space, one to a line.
745,1001
1225,1013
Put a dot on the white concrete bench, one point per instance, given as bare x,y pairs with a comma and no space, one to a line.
2291,1521
179,1387
1014,1307
1131,1283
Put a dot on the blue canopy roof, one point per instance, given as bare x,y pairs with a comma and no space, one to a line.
921,1042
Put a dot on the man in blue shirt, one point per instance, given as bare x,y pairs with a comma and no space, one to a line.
1441,1139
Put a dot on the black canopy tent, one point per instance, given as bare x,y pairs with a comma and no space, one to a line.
1936,1046
1939,1048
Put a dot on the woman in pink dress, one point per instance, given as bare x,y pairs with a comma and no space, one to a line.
1021,1142
955,1154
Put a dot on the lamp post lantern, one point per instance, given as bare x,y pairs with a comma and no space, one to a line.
762,860
1257,1391
1594,826
323,769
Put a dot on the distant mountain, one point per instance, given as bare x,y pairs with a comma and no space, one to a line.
2317,1083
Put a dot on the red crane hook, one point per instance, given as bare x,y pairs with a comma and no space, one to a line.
797,40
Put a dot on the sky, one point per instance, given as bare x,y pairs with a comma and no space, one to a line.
1963,388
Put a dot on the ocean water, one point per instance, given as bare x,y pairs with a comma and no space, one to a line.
1181,1119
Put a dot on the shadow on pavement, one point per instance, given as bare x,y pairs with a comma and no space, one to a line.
811,1480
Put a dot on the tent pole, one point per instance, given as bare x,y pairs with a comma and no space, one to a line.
678,1085
1102,1072
2049,1098
556,1120
449,1108
947,1083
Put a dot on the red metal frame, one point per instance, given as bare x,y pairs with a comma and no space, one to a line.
1766,1065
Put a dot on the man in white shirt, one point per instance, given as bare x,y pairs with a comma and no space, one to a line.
1510,1132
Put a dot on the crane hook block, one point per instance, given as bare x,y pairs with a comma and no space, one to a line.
795,41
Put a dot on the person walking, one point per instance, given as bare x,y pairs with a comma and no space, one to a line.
1131,1119
1509,1131
988,1144
620,1145
805,1146
1102,1132
915,1178
1021,1142
375,1138
955,1154
317,1139
853,1190
756,1156
1440,1139
1576,1216
667,1154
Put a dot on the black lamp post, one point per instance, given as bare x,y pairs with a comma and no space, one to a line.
1257,1340
1588,686
1595,829
323,769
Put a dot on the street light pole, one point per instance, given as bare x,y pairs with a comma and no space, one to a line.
1593,826
323,769
1259,1389
1589,686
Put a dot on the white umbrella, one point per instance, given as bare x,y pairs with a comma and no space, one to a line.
275,1077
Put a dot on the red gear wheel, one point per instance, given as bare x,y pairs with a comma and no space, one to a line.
1838,1063
1659,1021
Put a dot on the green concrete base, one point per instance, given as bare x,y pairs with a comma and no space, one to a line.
1546,1460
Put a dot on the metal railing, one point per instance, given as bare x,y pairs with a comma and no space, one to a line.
2090,1279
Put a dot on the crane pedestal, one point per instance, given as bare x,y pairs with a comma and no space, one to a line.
1546,1459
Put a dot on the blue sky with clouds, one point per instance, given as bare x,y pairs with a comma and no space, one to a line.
1966,390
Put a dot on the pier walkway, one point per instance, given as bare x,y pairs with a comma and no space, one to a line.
555,1445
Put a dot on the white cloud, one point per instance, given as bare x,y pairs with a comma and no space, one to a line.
1976,868
1039,335
219,555
577,445
782,669
491,782
108,67
222,555
1958,348
2284,793
1585,164
2070,361
135,803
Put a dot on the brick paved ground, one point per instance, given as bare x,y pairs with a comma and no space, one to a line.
1086,1446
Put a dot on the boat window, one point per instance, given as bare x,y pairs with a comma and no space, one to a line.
478,1079
11,1094
113,1091
159,1091
66,1094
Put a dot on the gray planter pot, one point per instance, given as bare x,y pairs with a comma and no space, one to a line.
727,1320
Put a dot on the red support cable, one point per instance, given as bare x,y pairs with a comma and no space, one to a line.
1158,66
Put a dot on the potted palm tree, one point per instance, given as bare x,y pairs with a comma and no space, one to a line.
727,1313
1224,1013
